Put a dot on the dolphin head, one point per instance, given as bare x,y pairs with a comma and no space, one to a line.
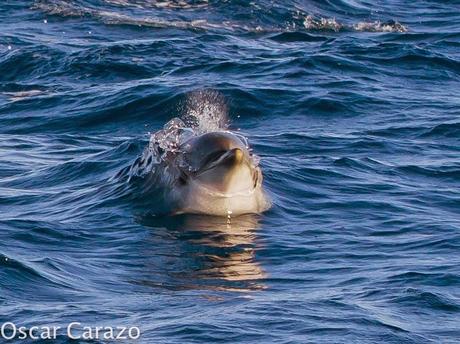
221,163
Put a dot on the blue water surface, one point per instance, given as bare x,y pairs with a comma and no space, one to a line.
353,107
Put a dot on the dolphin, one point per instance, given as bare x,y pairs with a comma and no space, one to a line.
221,253
221,177
212,173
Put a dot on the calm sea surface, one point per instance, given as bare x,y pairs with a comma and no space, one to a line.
353,107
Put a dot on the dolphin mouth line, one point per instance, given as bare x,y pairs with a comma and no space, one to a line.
217,162
215,193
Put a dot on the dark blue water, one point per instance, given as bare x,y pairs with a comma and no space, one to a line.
353,107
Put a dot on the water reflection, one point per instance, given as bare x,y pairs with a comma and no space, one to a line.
214,252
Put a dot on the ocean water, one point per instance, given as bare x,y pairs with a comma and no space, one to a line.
354,110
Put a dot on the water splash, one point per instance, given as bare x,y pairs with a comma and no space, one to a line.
163,144
377,26
311,23
206,111
331,24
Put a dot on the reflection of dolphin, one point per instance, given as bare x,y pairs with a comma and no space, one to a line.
223,251
237,238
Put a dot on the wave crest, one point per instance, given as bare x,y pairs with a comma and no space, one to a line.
293,20
331,24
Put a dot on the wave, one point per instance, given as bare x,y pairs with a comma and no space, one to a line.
19,278
331,24
450,130
162,4
451,172
417,297
68,9
262,21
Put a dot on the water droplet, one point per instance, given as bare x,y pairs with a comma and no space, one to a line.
229,217
45,21
9,47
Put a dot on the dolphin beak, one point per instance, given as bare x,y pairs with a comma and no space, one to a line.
229,159
233,157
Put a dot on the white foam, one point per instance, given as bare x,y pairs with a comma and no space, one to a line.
331,24
170,4
156,19
16,96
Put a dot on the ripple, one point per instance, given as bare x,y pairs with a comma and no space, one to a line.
353,108
417,297
450,130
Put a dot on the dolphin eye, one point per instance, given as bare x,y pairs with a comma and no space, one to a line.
182,178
